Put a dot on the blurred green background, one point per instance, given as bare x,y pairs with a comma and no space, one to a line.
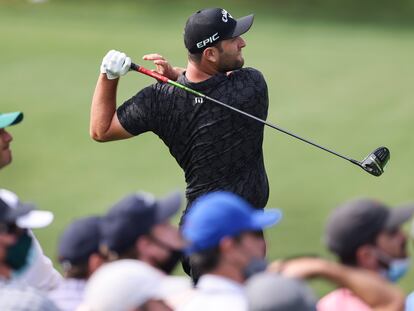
339,73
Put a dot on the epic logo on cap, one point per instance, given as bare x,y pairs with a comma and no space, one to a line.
208,40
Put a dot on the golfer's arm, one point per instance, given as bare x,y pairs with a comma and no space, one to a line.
374,290
104,123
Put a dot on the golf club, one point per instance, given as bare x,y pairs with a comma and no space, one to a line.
374,163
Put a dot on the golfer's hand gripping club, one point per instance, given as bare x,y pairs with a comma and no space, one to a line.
115,64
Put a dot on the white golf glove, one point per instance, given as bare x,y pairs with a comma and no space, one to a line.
115,64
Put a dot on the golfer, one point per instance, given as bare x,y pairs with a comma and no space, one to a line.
218,149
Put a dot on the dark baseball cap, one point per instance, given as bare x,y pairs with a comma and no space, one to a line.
220,214
359,221
79,241
272,292
10,118
24,215
135,215
209,26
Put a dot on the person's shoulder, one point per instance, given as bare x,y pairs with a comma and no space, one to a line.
151,91
248,73
341,297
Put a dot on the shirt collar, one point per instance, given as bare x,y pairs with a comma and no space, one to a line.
203,85
210,282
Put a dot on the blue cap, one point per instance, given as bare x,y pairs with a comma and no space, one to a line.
220,214
79,241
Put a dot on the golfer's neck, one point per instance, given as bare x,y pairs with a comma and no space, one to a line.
199,72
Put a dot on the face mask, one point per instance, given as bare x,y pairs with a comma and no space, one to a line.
256,265
18,254
168,265
397,268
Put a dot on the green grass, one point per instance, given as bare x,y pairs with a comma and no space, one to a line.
346,86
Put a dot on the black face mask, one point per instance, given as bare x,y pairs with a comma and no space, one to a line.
17,254
169,264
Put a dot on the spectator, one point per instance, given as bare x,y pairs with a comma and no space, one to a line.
367,234
21,257
138,227
37,269
374,290
226,246
124,285
410,298
6,120
78,253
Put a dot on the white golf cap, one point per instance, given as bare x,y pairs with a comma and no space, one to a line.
12,210
121,286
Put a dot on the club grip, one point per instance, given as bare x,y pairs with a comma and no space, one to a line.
148,72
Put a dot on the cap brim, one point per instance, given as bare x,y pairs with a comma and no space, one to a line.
243,24
17,212
168,206
35,219
11,118
266,218
399,215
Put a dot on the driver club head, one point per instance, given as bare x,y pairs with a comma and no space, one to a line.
376,161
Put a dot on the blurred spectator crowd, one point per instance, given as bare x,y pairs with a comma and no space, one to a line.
124,260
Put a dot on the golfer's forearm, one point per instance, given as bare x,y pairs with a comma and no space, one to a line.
368,286
103,108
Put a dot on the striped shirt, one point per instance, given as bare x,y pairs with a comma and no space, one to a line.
69,294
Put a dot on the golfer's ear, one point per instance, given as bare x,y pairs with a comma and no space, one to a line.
211,54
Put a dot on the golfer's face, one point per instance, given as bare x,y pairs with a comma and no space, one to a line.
231,57
5,152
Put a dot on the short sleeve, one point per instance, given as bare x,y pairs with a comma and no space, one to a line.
135,114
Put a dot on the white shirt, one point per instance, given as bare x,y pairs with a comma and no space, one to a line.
216,293
15,298
69,295
175,290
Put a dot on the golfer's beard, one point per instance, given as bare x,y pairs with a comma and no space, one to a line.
227,66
